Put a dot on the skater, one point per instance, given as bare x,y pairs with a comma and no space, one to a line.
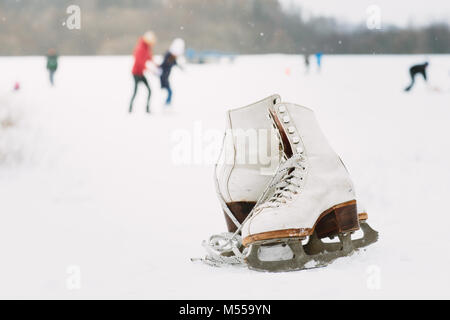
16,86
52,65
142,54
417,69
319,60
170,60
306,61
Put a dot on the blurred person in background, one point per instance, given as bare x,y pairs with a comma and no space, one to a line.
319,60
415,70
52,65
306,61
142,53
16,86
170,59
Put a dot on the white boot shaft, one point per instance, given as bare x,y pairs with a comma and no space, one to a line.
249,158
320,180
250,155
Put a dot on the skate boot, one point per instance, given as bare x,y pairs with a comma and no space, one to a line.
310,196
252,150
251,154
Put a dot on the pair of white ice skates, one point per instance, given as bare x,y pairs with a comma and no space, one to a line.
283,189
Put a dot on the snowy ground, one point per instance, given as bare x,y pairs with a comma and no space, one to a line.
94,204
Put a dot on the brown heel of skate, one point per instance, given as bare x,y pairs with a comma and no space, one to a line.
341,221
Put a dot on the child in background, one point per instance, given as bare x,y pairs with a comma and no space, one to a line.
170,59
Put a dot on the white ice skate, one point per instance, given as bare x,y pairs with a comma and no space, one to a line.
311,195
255,143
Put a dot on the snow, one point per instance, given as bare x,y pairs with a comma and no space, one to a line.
95,205
275,253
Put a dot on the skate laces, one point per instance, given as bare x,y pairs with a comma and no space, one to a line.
226,248
286,182
223,249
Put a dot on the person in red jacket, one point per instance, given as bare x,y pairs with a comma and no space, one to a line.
142,54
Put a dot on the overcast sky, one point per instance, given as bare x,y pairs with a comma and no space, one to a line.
398,12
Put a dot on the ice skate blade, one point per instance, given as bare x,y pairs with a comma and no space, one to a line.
314,254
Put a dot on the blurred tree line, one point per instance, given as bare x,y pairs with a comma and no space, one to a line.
238,26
